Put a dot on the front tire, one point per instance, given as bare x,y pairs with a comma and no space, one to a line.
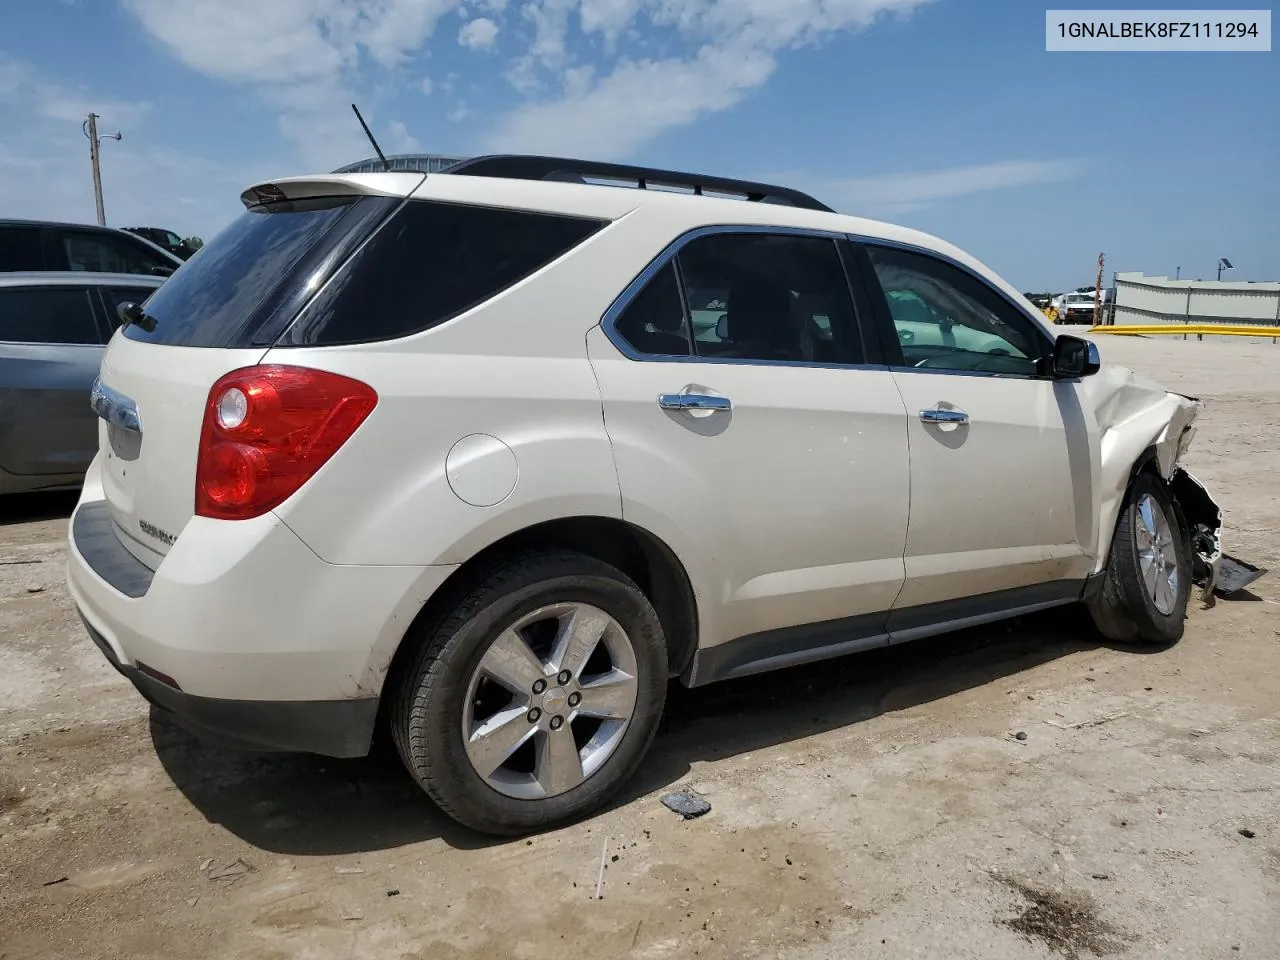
535,697
1147,581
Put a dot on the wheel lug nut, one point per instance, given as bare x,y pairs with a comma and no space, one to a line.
565,677
539,686
575,699
557,723
535,715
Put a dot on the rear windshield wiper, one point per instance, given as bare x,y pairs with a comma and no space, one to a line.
130,312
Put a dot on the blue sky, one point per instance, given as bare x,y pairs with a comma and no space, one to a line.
947,115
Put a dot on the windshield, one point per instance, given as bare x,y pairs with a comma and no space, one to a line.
215,299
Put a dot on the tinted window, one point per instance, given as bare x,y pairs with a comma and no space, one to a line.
47,315
429,263
215,300
947,319
114,296
110,253
21,248
756,296
654,322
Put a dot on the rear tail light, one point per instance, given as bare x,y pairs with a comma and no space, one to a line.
267,430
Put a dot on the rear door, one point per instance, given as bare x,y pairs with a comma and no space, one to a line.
1001,501
50,346
751,434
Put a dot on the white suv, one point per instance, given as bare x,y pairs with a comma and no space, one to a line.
489,456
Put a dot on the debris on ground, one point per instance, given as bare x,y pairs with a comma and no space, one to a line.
1020,735
206,864
1091,722
1246,833
1066,922
232,872
1234,575
686,804
35,589
348,870
50,883
600,879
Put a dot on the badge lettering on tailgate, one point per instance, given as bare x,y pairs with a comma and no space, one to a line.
151,530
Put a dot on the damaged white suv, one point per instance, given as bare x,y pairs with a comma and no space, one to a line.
490,456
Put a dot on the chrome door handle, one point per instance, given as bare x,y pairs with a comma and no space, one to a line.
944,416
693,401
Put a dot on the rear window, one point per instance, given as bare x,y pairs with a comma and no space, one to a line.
48,315
431,262
220,298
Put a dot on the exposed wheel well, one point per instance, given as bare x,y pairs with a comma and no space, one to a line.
636,552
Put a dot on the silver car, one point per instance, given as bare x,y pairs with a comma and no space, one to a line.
53,326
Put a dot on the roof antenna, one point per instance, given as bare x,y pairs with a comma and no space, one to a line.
369,133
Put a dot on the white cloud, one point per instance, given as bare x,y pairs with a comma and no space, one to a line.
402,141
611,117
587,65
730,49
914,190
305,56
479,34
458,113
21,83
425,86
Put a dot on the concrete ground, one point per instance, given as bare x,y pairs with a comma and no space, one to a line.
883,805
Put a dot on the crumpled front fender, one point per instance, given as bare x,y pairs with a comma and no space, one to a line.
1140,422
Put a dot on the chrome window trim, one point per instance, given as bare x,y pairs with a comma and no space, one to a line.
1038,330
609,320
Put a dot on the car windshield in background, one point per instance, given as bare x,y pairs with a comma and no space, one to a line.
214,301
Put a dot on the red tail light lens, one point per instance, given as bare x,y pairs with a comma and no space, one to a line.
267,430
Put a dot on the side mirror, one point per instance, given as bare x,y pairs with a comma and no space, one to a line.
722,327
1074,357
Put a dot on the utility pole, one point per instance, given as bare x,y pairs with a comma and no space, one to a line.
1097,292
90,128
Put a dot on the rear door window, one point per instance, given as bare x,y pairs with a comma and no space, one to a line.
431,262
21,249
101,252
222,298
51,314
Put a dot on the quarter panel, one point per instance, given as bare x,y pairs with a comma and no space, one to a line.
386,498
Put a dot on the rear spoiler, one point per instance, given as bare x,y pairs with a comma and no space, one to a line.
396,184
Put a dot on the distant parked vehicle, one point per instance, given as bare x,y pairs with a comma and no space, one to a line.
1075,308
181,247
34,245
53,326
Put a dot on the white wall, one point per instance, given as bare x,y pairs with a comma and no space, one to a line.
1150,300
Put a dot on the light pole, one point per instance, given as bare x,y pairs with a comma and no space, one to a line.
90,128
1223,264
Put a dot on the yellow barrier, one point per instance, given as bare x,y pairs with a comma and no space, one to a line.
1203,329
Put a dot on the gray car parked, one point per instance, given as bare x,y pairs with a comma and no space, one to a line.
53,327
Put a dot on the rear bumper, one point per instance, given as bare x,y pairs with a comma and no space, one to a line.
333,728
267,645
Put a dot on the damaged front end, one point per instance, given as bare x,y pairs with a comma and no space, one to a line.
1141,426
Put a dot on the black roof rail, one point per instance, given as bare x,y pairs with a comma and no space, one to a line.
522,167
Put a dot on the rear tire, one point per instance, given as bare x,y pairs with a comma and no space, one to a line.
1147,581
501,668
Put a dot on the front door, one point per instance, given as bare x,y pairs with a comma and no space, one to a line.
748,435
1001,496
